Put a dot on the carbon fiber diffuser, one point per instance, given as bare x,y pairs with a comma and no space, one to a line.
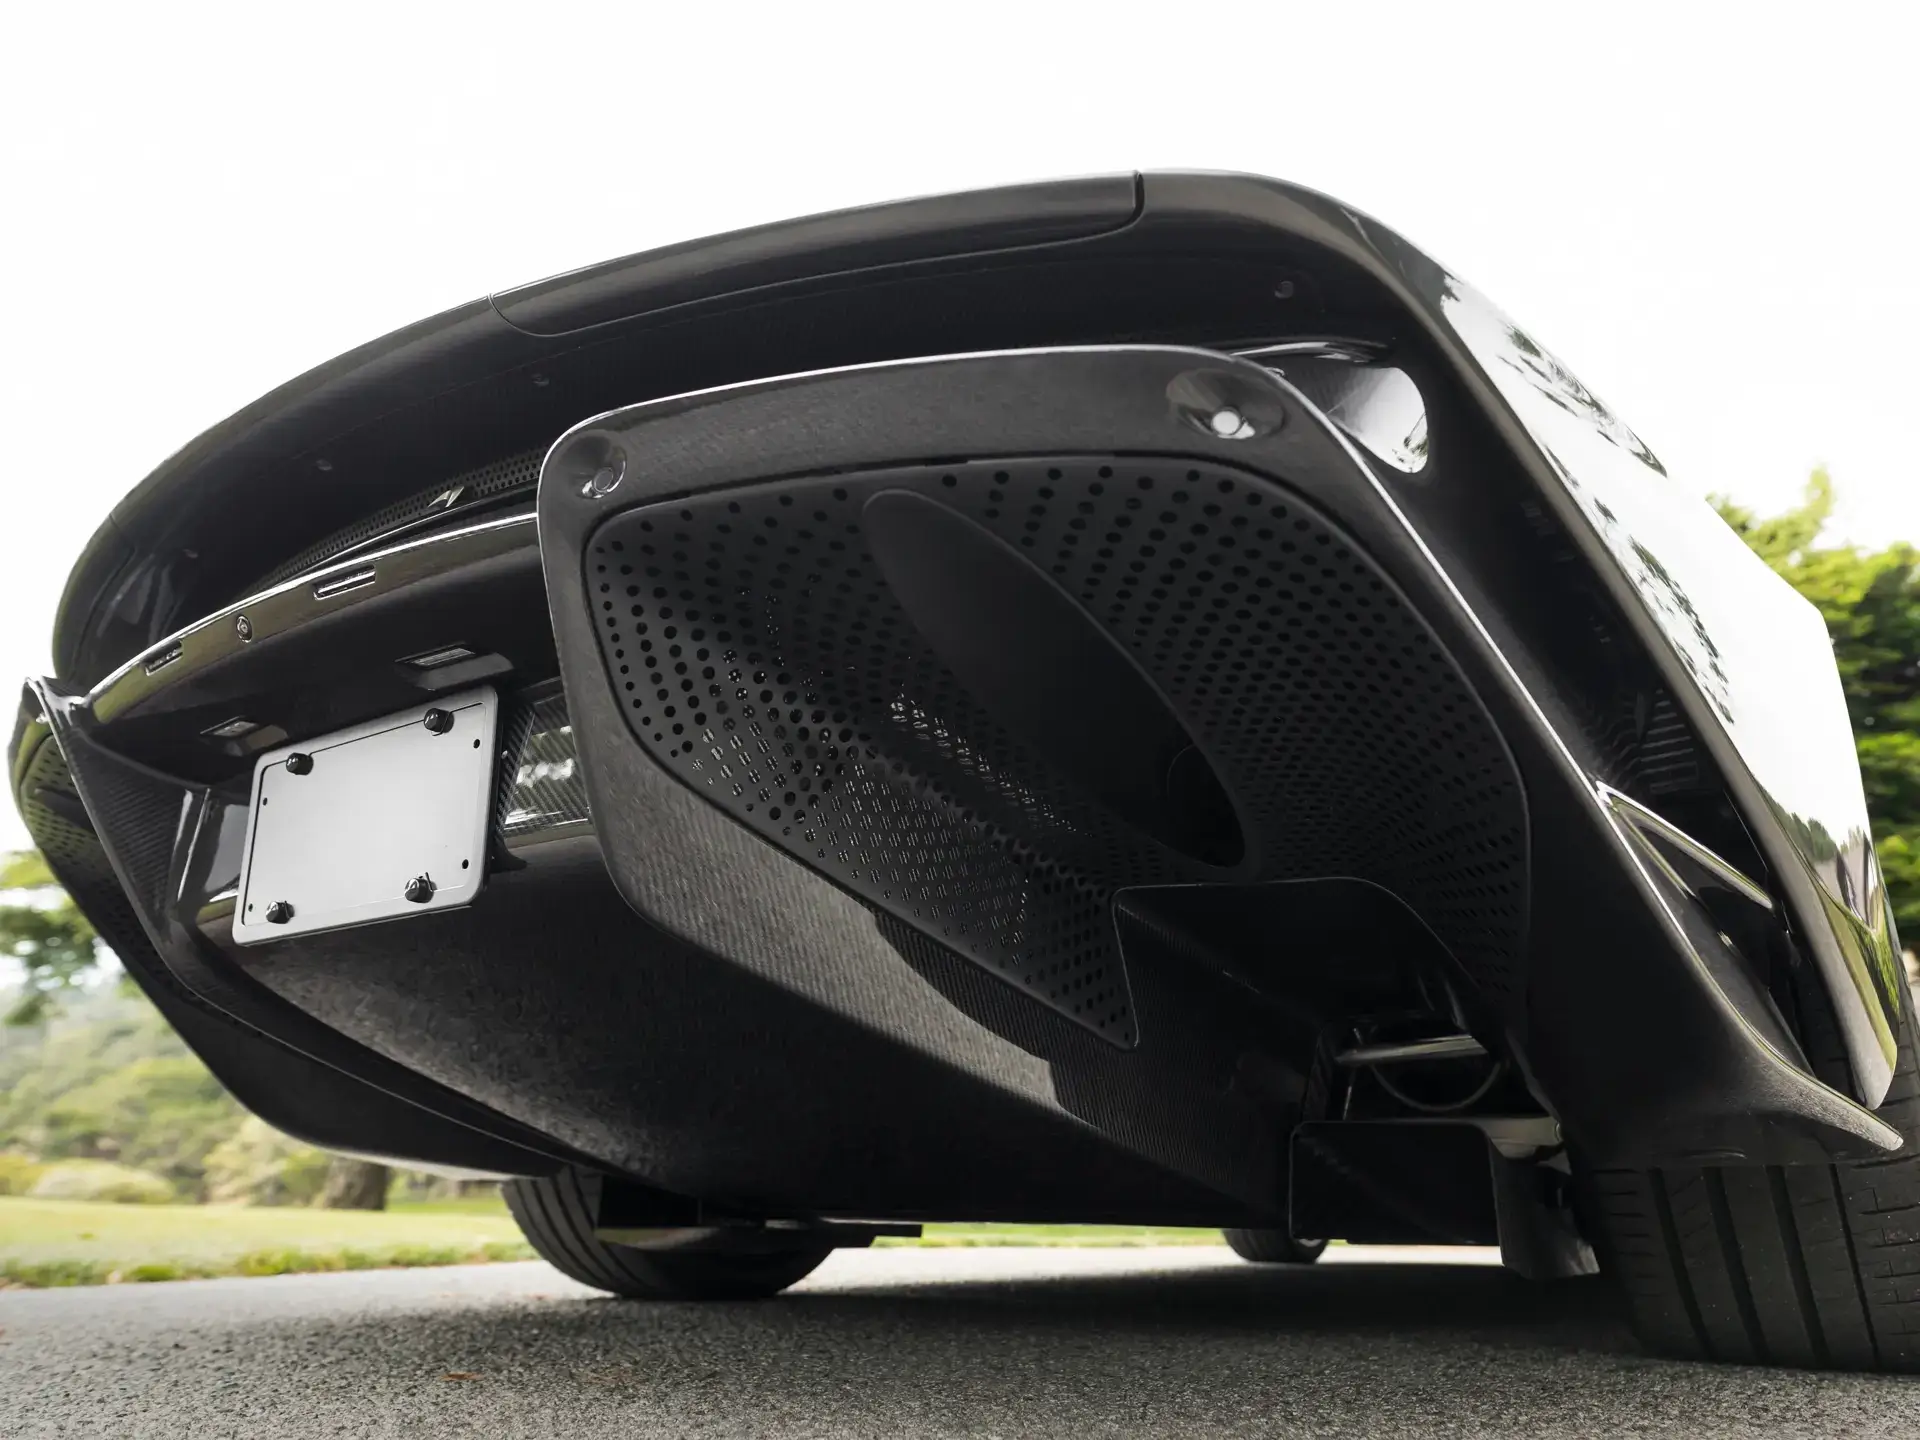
985,697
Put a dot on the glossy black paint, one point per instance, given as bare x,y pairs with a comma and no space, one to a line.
858,242
409,411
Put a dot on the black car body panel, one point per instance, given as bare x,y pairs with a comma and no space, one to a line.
661,984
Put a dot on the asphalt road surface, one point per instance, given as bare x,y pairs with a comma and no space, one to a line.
896,1344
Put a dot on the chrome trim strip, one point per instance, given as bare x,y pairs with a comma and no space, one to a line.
1441,1047
1647,823
339,585
290,603
1354,352
437,515
156,663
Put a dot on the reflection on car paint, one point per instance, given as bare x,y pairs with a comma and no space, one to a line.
1758,653
1378,405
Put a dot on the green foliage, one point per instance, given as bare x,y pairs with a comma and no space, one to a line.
17,1172
108,1079
1871,603
257,1165
164,1113
44,930
26,870
101,1180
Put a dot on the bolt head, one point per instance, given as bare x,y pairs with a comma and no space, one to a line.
438,721
420,889
279,913
608,474
243,627
299,763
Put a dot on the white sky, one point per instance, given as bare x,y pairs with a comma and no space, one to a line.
1708,211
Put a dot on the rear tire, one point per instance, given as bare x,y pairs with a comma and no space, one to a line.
558,1222
1273,1247
1815,1266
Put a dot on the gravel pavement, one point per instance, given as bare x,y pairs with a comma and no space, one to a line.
895,1343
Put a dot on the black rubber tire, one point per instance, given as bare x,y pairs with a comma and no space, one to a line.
554,1216
1812,1266
1273,1247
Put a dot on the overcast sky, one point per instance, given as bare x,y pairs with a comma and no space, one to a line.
1708,211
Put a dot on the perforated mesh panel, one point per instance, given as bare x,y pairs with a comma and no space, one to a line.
516,472
139,814
80,864
764,660
66,844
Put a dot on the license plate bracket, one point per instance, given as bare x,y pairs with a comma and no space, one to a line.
384,819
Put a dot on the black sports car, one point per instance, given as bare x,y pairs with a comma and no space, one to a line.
1137,699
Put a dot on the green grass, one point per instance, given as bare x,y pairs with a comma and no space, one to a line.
489,1203
80,1242
1067,1235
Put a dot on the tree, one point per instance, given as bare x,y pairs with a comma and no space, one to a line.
174,1107
356,1185
1871,603
47,934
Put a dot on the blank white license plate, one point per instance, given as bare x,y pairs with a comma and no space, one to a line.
385,819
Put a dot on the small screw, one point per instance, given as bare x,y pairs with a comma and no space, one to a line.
538,378
607,475
299,763
243,627
438,721
323,466
279,912
420,889
1284,290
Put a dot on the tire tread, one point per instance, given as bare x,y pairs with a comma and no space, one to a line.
556,1215
1810,1266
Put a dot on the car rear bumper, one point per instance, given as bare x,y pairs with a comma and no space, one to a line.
645,989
